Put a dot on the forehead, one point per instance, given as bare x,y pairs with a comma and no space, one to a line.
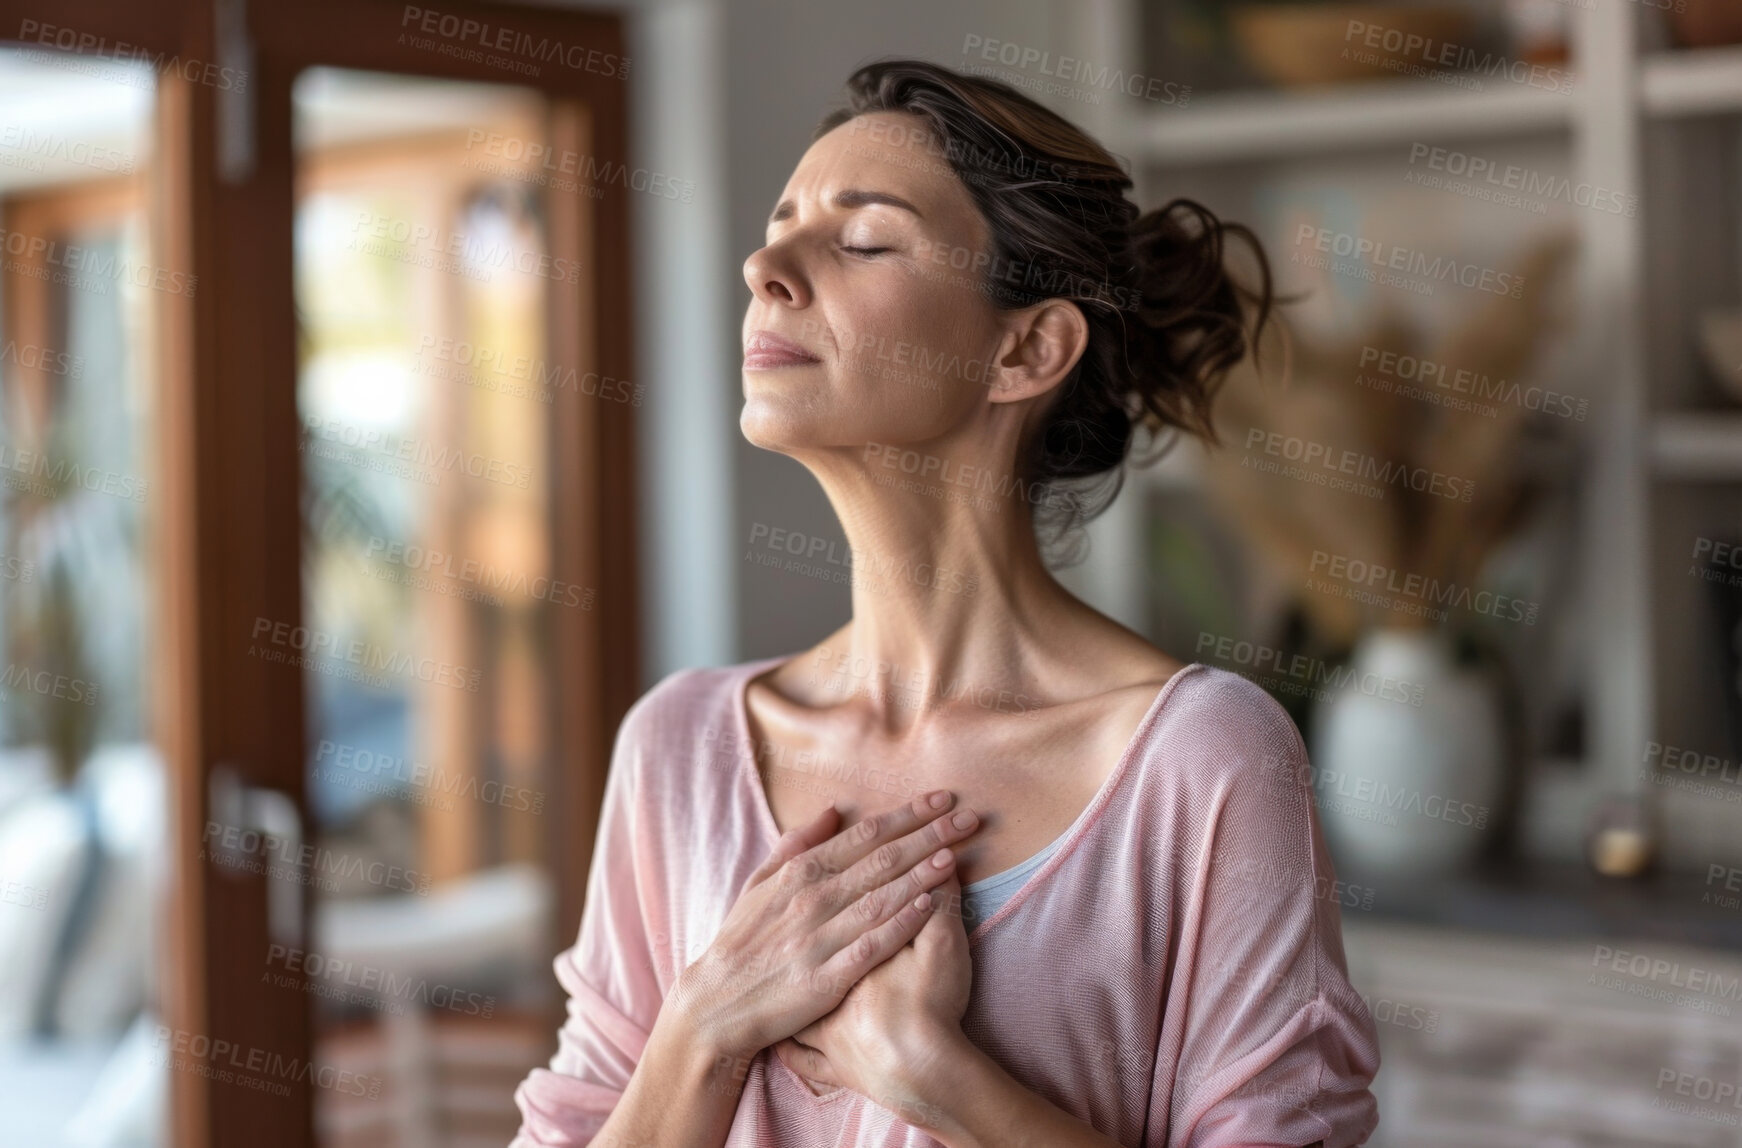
885,151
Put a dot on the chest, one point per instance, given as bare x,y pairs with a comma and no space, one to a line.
1028,785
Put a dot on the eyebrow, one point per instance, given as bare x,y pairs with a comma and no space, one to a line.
849,199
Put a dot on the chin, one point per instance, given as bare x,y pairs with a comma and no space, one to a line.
776,422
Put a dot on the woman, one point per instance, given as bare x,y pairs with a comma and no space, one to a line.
983,867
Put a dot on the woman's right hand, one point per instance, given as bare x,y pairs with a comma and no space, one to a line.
823,910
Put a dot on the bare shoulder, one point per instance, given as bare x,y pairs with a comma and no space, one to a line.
1119,681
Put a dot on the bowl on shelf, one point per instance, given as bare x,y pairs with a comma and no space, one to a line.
1300,45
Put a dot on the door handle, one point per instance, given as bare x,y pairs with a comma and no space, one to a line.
273,815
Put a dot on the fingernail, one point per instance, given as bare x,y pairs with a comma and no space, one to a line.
963,820
939,798
922,902
941,858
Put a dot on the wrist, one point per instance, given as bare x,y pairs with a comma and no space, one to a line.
692,1048
693,1017
930,1079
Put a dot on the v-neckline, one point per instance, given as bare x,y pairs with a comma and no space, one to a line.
1067,842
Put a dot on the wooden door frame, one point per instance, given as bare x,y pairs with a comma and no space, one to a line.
229,476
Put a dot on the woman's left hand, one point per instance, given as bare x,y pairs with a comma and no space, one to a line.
899,1020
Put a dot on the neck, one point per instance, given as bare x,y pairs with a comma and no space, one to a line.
951,599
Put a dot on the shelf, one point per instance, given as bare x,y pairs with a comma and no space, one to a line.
1691,82
1269,124
1698,446
1563,901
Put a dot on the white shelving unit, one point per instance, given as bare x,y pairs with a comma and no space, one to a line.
1619,89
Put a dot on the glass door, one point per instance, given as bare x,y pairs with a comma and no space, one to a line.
83,872
425,385
317,605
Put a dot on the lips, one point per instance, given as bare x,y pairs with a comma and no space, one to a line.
766,351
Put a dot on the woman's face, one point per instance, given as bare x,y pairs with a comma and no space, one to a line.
870,290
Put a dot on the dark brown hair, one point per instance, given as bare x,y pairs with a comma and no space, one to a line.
1166,320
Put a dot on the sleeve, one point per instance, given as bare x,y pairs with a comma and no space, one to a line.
609,974
1274,1046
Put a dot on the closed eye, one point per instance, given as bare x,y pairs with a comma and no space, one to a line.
865,250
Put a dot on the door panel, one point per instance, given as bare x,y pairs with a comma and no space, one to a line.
357,742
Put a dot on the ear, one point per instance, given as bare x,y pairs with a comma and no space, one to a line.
1040,346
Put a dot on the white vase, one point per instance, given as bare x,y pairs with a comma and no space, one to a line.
1408,758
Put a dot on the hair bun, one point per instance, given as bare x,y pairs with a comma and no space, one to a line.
1193,317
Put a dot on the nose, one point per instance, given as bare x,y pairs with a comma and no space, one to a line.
774,277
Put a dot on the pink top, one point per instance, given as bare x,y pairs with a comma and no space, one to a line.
1173,975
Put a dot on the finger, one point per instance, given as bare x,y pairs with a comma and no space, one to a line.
889,860
807,1062
850,845
944,925
842,971
946,910
795,841
886,900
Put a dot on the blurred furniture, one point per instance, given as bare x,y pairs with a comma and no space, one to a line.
448,1081
447,1073
1528,1043
1662,450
